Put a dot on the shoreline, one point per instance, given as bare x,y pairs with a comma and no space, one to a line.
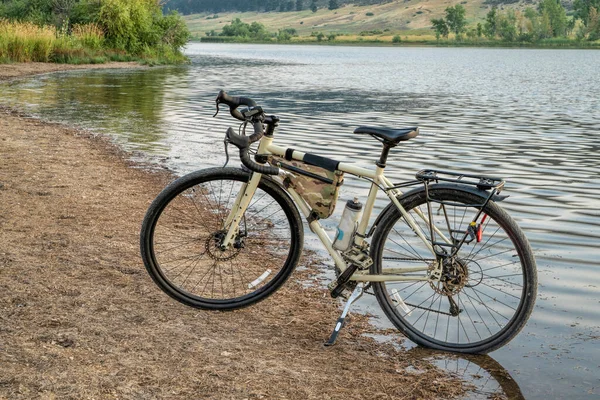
21,70
81,318
409,43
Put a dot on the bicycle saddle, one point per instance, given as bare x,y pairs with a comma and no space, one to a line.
389,136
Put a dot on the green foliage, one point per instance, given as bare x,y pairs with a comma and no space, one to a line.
490,26
583,8
86,27
369,14
591,29
313,6
371,32
333,5
456,19
554,17
396,39
507,29
173,31
440,27
285,35
242,30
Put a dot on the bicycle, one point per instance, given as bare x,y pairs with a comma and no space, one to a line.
448,266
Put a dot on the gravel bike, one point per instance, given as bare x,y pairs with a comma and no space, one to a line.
448,266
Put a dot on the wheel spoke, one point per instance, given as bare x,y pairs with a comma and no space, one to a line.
484,280
185,236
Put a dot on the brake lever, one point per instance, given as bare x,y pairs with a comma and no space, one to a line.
226,143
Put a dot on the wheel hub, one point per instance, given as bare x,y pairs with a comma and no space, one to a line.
454,277
214,250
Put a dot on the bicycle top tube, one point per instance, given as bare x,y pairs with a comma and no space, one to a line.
255,115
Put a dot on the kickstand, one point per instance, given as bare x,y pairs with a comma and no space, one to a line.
358,291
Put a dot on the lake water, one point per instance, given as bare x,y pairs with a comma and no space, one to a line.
530,116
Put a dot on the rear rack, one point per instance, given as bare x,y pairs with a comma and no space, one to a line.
482,182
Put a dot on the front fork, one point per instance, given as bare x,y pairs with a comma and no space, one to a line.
242,201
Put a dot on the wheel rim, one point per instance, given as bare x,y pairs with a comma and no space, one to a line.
486,280
186,237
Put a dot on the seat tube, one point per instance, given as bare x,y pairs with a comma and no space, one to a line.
364,222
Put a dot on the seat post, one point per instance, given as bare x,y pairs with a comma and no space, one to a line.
384,154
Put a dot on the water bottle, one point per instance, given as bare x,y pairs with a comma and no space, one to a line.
348,224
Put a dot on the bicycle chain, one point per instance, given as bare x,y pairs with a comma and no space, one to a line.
429,309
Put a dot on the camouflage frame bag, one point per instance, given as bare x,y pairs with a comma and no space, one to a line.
318,186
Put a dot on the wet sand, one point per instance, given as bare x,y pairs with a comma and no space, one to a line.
80,317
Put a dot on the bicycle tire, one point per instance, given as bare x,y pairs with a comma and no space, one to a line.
180,236
496,276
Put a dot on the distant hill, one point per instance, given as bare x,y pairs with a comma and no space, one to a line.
405,17
214,6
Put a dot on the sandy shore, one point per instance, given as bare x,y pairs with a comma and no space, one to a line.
17,70
80,318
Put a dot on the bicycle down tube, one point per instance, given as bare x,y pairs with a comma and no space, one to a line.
378,179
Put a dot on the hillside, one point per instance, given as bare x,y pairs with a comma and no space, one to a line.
405,17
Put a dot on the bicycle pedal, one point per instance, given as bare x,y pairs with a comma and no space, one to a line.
337,287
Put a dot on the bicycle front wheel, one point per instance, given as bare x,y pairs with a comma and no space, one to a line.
487,290
183,229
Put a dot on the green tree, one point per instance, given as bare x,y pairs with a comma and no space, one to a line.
299,5
507,26
582,9
240,29
313,6
441,28
554,16
479,30
456,20
333,5
490,27
591,29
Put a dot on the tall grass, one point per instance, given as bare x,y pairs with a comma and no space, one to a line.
83,44
25,41
89,35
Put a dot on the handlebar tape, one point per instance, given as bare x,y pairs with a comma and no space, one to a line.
243,143
234,102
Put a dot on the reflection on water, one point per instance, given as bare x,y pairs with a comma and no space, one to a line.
489,379
531,116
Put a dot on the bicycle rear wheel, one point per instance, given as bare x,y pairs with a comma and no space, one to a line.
183,228
486,292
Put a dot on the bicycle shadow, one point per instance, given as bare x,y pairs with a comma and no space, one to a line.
489,378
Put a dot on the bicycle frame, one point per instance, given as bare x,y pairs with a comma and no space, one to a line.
378,180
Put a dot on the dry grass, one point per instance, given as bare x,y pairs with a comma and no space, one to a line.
27,42
80,318
89,35
398,17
